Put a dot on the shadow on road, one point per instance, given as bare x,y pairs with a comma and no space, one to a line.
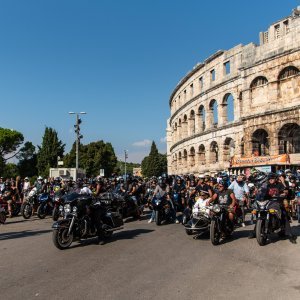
21,234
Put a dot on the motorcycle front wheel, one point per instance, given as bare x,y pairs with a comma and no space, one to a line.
26,210
61,239
260,232
55,213
41,211
214,233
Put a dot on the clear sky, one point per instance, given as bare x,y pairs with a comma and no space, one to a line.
118,60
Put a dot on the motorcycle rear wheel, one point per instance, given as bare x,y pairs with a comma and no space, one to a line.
61,239
214,233
41,212
157,218
260,235
26,210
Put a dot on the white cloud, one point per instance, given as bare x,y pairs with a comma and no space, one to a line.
143,143
163,139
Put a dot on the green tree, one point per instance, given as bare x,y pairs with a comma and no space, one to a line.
155,163
93,157
27,160
10,171
49,151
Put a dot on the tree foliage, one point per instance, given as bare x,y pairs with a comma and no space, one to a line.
49,151
10,140
155,163
27,160
93,157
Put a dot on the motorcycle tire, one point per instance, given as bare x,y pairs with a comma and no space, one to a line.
41,212
260,235
157,218
107,234
298,213
26,210
214,233
2,217
55,214
184,219
16,210
60,238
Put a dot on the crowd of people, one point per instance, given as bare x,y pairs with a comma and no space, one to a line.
235,191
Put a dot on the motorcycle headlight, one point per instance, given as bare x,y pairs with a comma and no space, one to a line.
216,208
75,209
61,208
67,208
157,202
262,204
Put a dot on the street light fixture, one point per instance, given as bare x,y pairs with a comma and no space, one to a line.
78,136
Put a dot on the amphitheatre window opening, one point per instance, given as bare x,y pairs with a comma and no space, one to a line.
214,109
242,147
286,26
227,67
192,90
214,152
201,153
179,158
288,72
192,122
213,75
192,156
229,148
258,81
260,143
266,37
201,83
184,94
228,103
289,139
277,31
201,112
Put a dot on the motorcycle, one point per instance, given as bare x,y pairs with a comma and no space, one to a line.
58,207
200,219
163,210
77,223
221,226
268,220
45,205
30,203
15,205
2,215
130,209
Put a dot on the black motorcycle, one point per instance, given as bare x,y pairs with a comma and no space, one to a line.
58,206
45,205
30,203
221,226
130,208
163,210
268,220
78,224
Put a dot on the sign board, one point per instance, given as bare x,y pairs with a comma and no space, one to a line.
102,172
60,163
260,160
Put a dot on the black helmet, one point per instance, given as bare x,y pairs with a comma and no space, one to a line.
224,183
272,176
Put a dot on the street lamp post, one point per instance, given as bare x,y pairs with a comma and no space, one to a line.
78,135
126,156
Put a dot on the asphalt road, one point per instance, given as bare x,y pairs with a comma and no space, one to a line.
144,261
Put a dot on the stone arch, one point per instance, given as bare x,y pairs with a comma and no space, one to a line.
192,156
228,108
179,129
260,142
201,155
289,138
242,147
179,159
214,152
258,81
213,107
185,126
229,149
192,124
288,72
201,114
185,158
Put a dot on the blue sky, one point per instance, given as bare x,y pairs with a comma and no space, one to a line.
117,60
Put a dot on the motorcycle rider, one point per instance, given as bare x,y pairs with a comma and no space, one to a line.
224,196
7,193
202,186
40,186
275,190
162,190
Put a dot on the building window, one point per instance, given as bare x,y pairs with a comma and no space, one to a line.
213,75
201,83
184,94
227,67
286,26
258,81
266,37
277,31
288,72
192,90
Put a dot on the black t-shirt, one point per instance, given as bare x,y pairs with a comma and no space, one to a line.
205,187
224,197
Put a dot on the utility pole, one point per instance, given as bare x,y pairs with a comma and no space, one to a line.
78,135
126,156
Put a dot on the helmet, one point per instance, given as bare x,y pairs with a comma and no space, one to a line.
224,183
281,173
201,176
57,179
164,175
287,171
272,176
40,178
